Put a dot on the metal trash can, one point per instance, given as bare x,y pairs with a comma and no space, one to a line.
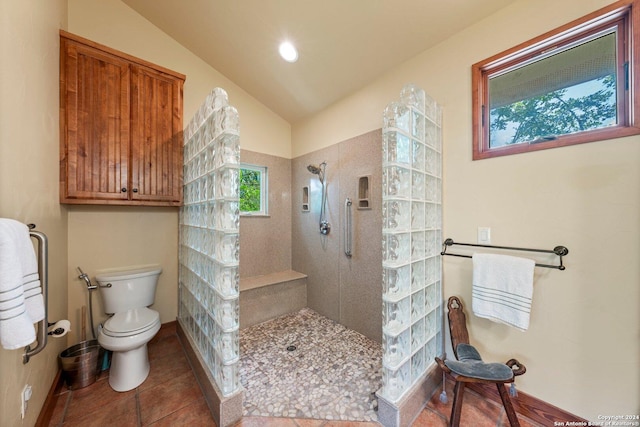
81,364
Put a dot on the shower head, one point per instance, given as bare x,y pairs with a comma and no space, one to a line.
314,169
318,170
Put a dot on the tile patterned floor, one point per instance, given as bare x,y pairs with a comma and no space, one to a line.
332,374
171,397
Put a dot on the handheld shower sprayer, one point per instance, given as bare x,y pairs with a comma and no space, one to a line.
91,287
319,170
86,279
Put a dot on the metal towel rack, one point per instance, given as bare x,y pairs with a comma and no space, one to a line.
560,251
43,272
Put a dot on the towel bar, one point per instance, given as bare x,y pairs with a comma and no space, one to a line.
560,251
43,271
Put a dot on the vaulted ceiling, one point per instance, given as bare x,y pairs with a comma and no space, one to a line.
343,44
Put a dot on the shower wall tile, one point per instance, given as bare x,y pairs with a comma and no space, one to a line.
266,241
360,275
411,258
399,216
396,282
209,239
314,254
347,290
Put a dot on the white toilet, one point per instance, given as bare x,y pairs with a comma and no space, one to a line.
126,293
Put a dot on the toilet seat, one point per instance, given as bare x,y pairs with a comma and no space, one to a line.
131,322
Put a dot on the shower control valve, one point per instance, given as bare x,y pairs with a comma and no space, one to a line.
325,227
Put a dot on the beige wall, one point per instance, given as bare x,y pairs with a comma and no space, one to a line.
29,176
582,347
104,237
113,236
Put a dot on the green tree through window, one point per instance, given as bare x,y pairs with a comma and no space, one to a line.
253,190
249,190
572,85
586,106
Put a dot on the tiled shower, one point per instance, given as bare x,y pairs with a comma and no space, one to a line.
389,290
343,288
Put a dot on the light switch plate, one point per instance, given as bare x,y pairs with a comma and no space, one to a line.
484,235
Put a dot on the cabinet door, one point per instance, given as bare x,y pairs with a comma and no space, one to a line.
156,136
95,114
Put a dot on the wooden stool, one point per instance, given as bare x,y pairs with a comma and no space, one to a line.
469,367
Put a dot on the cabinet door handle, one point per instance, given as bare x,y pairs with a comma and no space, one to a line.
135,190
123,189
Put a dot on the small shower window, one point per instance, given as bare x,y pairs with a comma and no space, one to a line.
253,190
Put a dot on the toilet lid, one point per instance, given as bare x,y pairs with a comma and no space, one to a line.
131,322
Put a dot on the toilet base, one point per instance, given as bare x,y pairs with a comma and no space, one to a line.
129,361
129,368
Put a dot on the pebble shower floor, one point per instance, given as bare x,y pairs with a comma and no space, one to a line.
332,374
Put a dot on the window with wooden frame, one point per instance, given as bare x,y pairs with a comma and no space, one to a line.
573,85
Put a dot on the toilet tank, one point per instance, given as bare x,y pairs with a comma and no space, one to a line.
129,287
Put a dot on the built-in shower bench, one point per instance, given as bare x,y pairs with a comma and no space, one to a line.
271,295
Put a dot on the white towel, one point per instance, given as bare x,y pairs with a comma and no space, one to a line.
33,300
503,288
17,260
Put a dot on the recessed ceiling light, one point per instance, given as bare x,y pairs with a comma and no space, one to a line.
288,52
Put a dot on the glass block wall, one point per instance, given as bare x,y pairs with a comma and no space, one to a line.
209,239
412,235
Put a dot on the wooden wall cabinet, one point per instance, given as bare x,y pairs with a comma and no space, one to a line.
121,127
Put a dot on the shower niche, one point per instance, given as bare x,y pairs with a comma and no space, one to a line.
364,192
305,199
